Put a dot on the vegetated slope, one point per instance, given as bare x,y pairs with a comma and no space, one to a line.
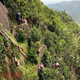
59,42
72,8
3,16
11,55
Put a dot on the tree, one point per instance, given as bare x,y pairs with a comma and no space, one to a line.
35,34
50,40
46,59
32,55
45,74
21,37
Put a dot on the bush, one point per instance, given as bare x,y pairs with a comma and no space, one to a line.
29,72
32,56
50,40
46,59
21,37
45,74
67,73
35,34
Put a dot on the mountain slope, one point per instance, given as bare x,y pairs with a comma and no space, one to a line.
72,8
44,47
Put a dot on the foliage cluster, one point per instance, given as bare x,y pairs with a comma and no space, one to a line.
21,37
60,37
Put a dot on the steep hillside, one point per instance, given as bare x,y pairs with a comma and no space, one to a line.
11,57
72,8
3,16
44,50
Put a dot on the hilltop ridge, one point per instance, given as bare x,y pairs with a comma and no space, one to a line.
72,8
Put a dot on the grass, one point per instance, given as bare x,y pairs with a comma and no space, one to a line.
8,33
24,45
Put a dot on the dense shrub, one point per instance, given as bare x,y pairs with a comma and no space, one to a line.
46,59
45,74
32,55
21,37
35,34
3,50
29,72
67,73
50,40
55,25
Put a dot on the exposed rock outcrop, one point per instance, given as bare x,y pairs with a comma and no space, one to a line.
4,17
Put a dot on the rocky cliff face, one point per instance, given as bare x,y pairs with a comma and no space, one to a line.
4,17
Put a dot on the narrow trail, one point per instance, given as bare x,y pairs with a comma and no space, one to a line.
72,70
40,54
8,67
15,44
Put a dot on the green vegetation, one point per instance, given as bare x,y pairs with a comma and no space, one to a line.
21,36
50,40
2,50
46,59
32,55
29,72
45,74
35,34
59,43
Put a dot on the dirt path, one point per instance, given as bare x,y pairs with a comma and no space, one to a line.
72,70
40,54
8,68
